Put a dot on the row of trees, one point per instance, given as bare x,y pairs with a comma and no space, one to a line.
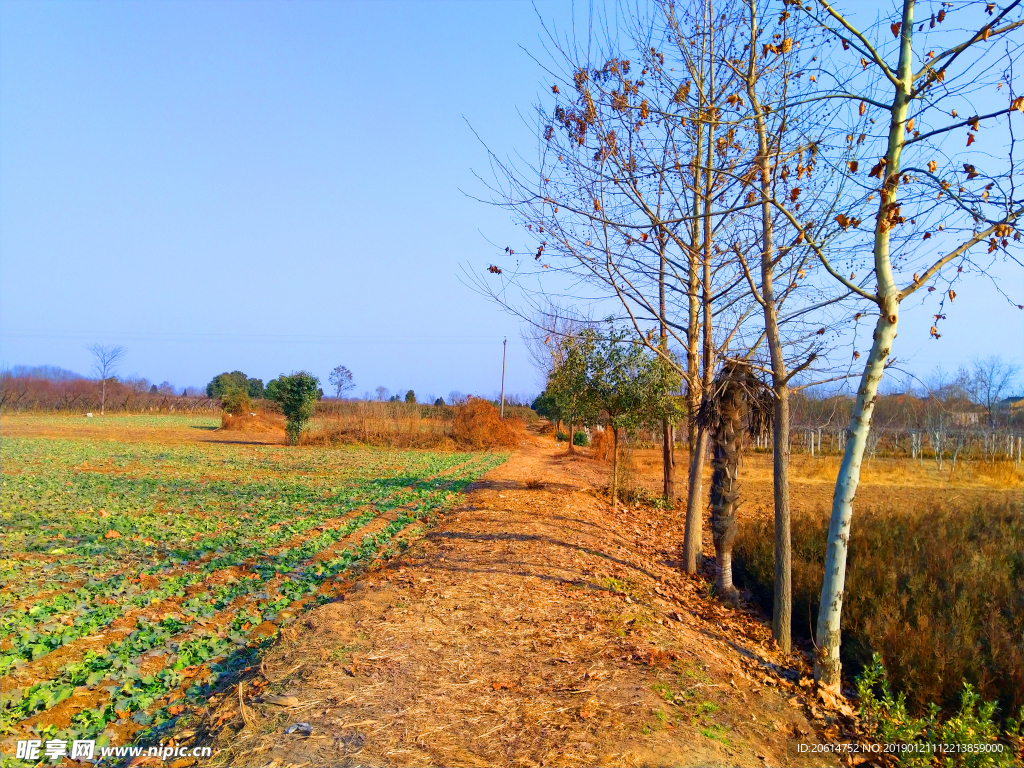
755,180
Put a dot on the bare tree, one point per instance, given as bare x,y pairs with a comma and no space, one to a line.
382,394
631,200
106,359
341,379
916,104
990,380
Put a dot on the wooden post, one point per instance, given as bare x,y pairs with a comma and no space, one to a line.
504,348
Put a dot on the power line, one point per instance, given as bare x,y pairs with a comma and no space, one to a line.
24,333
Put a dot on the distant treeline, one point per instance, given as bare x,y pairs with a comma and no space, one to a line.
49,388
41,390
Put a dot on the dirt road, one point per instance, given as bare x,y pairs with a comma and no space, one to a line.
529,627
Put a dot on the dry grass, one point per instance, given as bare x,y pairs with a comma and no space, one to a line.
259,422
475,425
478,425
938,591
392,425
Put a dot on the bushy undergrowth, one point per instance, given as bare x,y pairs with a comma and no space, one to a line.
970,736
476,425
938,593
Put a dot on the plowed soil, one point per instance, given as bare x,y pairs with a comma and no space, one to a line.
531,626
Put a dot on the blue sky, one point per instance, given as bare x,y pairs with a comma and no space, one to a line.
275,186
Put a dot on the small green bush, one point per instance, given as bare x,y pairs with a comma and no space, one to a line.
971,729
581,438
236,402
297,395
561,436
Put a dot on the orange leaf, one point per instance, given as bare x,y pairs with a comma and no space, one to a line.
970,139
933,166
853,166
952,294
910,125
111,534
863,108
895,29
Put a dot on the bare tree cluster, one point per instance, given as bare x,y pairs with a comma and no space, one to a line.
755,181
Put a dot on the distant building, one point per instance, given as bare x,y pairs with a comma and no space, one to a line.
1012,405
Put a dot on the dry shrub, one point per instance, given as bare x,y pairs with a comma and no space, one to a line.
1007,474
478,425
388,424
602,443
939,593
246,422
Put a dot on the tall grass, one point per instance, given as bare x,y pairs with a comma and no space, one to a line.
938,593
475,425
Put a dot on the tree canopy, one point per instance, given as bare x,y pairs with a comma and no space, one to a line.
223,383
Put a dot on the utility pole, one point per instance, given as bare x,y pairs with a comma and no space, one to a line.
504,348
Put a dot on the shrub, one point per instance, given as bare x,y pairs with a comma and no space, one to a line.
938,593
562,437
581,438
602,443
887,721
297,395
478,425
236,402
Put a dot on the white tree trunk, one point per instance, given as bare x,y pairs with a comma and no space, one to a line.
827,666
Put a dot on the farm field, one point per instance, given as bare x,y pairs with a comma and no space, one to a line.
146,562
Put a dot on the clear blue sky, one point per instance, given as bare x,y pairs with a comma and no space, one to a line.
272,186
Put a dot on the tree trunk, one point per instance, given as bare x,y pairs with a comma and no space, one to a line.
615,468
693,545
728,445
827,666
782,602
103,396
572,448
668,461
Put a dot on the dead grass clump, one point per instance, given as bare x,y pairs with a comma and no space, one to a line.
1000,473
386,424
939,593
478,425
601,441
252,422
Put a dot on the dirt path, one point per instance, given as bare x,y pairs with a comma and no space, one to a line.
529,627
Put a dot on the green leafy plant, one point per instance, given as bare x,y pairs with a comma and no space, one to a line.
969,737
297,395
236,402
